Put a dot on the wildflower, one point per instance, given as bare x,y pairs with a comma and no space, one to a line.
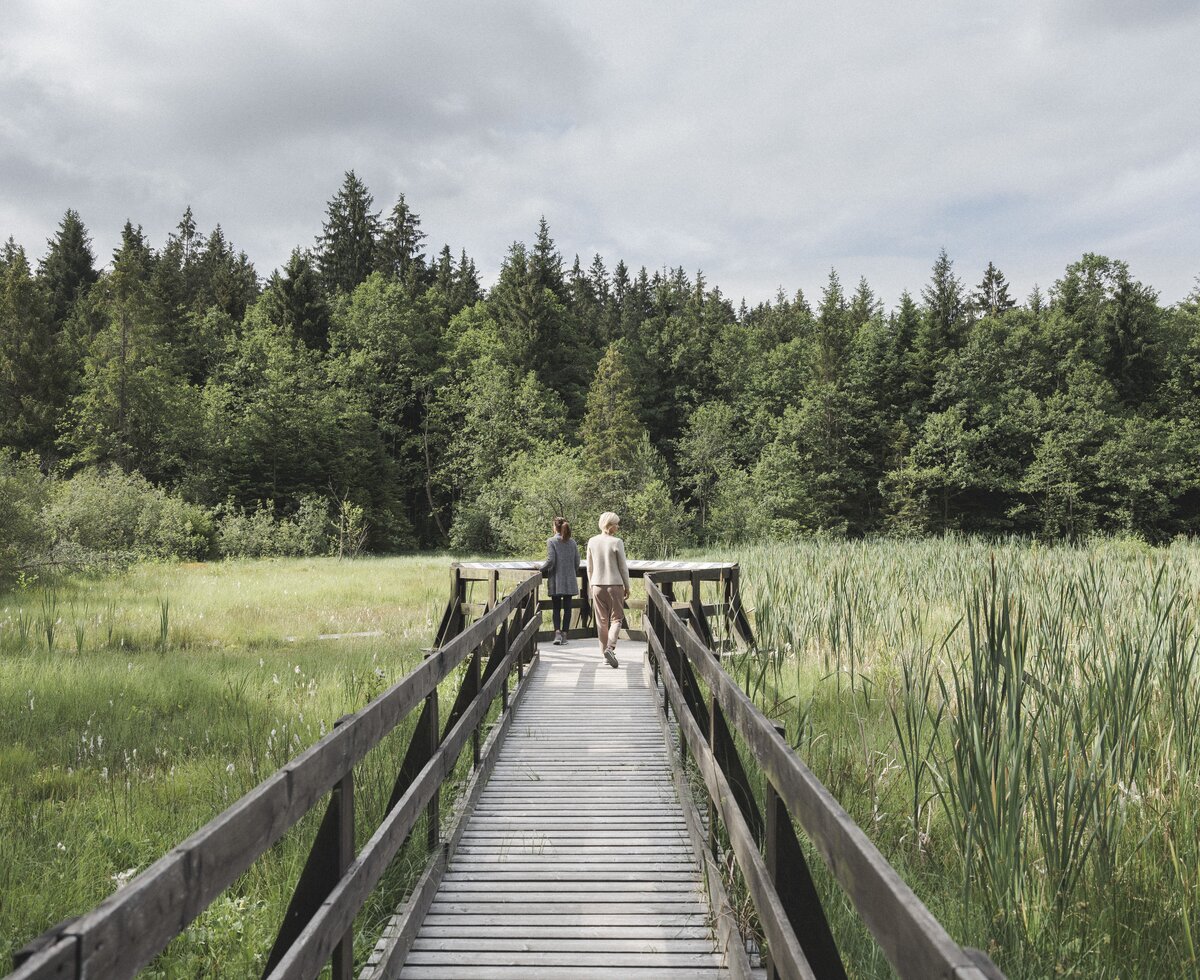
122,877
62,846
229,768
297,668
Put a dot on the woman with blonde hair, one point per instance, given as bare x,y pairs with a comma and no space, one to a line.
562,576
608,575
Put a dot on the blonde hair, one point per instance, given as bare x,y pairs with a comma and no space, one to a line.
609,519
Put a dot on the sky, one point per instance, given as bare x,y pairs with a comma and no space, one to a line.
762,143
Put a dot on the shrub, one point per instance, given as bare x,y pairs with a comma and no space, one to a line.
23,494
261,534
113,513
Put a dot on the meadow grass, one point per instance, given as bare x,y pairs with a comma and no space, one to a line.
135,707
1014,725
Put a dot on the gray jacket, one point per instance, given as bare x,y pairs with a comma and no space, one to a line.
562,566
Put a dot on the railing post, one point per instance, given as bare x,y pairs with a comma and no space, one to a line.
452,620
700,619
499,649
343,805
714,710
433,736
332,853
674,657
792,880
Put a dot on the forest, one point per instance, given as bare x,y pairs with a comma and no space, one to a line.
372,394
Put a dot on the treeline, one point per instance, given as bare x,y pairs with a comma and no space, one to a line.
379,387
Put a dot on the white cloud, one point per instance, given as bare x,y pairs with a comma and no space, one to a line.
762,142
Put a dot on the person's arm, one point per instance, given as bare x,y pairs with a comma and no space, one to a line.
590,565
624,565
548,568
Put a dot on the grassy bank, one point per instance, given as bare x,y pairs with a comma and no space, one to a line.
135,707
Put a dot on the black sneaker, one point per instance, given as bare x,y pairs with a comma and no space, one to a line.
611,657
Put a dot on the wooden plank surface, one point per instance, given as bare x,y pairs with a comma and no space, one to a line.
576,861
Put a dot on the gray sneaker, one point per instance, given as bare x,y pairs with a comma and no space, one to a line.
611,656
558,638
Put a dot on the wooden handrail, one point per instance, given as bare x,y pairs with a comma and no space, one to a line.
126,930
913,941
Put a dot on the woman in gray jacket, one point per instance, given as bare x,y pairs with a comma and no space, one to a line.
562,576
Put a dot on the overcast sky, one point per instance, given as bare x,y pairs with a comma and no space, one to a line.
762,142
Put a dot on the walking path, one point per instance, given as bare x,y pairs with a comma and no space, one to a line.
576,861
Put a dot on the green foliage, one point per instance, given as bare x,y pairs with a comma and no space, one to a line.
31,377
346,245
1007,722
490,419
24,492
68,269
112,512
540,483
372,373
611,432
260,533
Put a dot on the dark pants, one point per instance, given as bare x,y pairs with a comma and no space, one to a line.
562,612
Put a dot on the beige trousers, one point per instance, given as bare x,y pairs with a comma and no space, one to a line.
608,605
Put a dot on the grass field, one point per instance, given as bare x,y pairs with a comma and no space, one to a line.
1014,725
135,707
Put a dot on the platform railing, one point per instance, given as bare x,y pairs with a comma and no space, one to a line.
474,585
132,926
710,709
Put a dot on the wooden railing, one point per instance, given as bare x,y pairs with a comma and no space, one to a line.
763,839
725,575
128,929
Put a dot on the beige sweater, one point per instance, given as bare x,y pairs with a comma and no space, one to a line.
606,564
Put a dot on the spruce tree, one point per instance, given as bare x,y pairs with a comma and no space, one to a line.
295,300
991,295
30,386
68,269
346,245
611,431
399,253
945,305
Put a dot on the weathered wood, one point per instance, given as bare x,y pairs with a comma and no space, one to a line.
913,941
313,947
452,621
390,953
331,853
126,930
785,947
787,868
49,955
530,972
593,840
724,920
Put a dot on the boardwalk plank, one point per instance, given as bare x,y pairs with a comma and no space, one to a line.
577,860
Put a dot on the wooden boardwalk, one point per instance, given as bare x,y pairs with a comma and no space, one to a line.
576,861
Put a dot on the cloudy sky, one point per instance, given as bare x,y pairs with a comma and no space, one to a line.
761,142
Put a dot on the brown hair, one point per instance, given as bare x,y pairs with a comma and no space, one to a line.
563,528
